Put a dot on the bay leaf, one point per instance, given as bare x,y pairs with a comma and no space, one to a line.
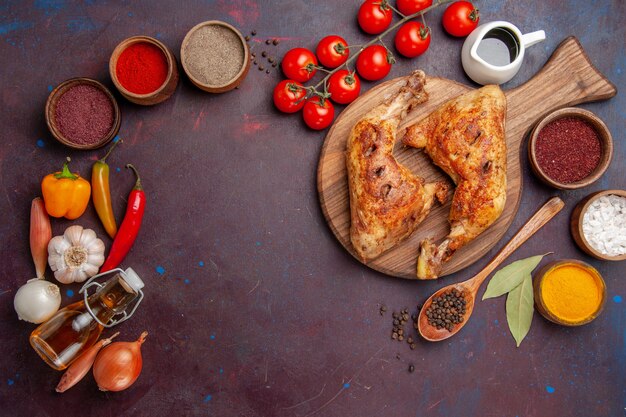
520,308
512,275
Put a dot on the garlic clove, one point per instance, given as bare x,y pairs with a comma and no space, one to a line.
81,275
63,275
96,259
57,246
87,238
73,234
89,270
95,246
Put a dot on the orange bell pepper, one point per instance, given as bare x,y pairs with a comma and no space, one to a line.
65,194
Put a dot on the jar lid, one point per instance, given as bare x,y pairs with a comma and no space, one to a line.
132,279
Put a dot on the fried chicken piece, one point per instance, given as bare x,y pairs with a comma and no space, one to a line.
387,201
466,138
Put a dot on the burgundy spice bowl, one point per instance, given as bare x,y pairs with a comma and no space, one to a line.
51,106
157,96
606,147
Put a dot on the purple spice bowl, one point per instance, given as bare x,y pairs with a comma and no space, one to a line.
87,118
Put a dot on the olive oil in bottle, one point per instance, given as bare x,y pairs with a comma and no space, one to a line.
75,328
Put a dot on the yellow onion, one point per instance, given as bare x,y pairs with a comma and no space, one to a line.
118,365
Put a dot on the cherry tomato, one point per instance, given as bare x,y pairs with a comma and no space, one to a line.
299,64
408,7
332,51
460,18
289,96
318,114
374,16
344,86
374,62
412,39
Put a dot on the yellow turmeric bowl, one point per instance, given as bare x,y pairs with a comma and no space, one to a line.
569,292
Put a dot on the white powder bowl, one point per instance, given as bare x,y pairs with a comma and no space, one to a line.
599,233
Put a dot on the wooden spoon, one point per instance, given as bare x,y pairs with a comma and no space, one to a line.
471,286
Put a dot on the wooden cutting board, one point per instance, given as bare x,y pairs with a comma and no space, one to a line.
568,78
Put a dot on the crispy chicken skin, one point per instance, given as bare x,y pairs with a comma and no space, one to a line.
387,201
466,138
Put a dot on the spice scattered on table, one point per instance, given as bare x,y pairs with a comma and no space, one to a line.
142,68
446,310
84,114
399,319
271,60
571,292
411,368
568,149
604,225
214,55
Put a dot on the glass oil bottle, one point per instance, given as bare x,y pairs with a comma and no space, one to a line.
75,328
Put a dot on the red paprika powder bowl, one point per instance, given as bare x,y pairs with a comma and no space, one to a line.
82,113
143,70
570,148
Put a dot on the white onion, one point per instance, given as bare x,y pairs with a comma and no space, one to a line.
37,300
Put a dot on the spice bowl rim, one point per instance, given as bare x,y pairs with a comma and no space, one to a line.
537,291
237,78
122,46
576,224
600,128
61,89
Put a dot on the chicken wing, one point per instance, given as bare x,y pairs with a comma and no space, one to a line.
387,201
466,138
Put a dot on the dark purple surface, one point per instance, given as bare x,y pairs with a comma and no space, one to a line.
253,307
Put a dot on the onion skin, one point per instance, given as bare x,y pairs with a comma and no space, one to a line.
40,235
79,368
118,365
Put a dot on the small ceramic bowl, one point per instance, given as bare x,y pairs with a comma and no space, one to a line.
219,87
605,140
51,105
159,95
576,225
541,305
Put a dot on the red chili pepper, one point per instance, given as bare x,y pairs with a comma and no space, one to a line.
129,229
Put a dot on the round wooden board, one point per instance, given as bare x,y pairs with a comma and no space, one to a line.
568,78
400,261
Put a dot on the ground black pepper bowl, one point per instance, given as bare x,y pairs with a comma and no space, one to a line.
223,86
50,113
606,142
576,225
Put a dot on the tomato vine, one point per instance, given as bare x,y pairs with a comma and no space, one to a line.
314,90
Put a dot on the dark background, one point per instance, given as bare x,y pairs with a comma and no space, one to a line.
253,307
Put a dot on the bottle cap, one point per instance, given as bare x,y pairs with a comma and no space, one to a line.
132,279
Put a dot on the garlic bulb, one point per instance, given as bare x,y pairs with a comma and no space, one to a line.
76,255
37,301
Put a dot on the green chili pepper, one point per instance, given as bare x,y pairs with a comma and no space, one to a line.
101,193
